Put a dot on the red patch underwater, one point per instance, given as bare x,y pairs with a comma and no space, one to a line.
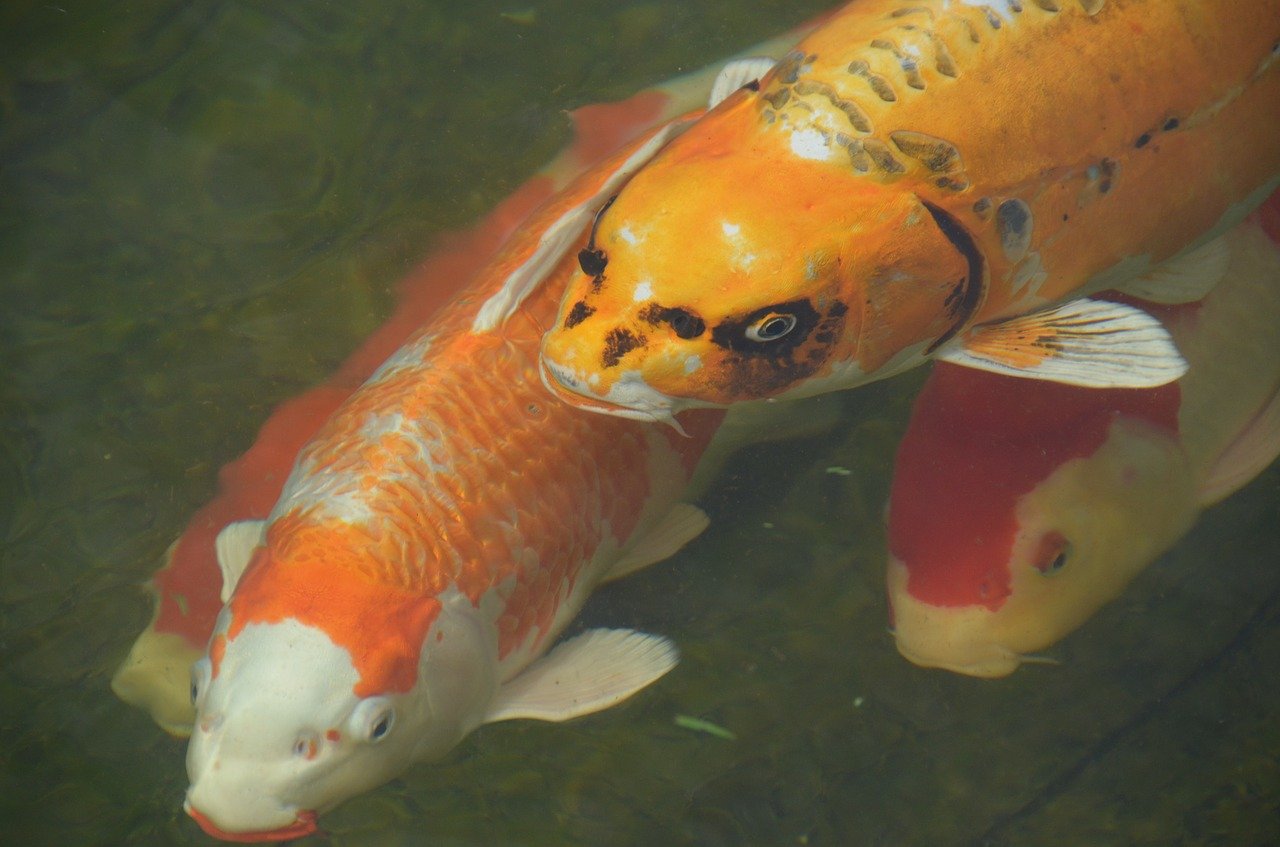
976,443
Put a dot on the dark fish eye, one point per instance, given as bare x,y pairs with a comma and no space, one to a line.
385,719
771,327
1052,556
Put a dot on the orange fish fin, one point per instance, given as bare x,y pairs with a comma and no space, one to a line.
235,546
1186,278
676,528
1090,343
736,74
589,672
1247,456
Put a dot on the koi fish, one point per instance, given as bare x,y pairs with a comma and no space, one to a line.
434,538
1018,508
186,590
939,179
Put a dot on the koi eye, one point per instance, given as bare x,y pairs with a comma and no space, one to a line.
771,327
373,719
1054,552
201,671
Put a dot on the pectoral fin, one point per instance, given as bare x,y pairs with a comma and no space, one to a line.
1247,456
564,232
589,672
676,528
736,74
1185,279
1090,343
234,547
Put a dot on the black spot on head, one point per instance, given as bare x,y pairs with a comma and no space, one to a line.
579,313
684,323
732,334
1142,140
592,261
618,343
754,369
1172,123
754,85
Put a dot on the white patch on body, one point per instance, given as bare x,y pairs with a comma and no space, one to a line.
643,292
1003,8
628,235
731,230
692,363
810,143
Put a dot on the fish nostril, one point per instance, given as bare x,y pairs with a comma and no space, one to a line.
685,324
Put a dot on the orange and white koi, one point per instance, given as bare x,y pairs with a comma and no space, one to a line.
932,179
1019,507
434,538
186,590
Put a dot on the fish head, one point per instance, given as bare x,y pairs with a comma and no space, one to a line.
716,277
312,693
1001,548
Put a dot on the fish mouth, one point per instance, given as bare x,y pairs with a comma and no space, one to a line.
303,824
641,402
997,662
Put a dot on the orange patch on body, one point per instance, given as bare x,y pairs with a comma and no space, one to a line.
306,576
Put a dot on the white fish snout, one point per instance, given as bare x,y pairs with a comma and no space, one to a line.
223,811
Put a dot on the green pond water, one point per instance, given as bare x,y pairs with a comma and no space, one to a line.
204,206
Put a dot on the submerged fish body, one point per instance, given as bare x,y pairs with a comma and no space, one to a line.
912,176
1020,507
186,589
434,538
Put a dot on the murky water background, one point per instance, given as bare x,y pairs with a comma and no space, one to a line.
204,207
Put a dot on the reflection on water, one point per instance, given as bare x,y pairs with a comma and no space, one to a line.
205,207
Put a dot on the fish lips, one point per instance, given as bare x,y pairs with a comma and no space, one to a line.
628,398
303,824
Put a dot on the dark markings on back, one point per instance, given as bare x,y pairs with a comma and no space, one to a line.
1014,222
857,119
878,84
967,295
618,343
935,154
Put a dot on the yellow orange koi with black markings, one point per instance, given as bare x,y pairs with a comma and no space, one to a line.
932,179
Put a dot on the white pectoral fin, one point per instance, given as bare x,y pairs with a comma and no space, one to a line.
589,672
1090,343
736,74
1184,279
1248,455
234,547
563,233
678,527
